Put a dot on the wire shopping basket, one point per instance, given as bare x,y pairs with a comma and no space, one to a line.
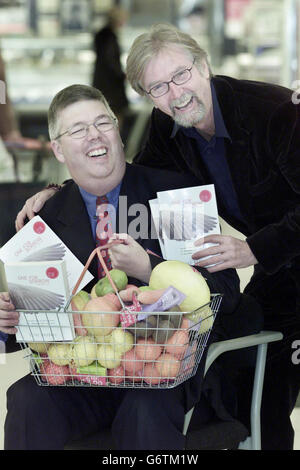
122,346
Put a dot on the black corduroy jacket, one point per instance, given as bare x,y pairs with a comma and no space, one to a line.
264,161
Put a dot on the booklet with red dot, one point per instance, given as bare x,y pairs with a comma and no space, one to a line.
36,241
51,263
182,216
40,291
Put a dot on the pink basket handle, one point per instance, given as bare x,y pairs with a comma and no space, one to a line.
87,264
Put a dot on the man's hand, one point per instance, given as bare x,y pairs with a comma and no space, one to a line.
32,206
14,139
9,318
229,252
130,257
13,136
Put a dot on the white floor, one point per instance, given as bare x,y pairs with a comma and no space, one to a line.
14,366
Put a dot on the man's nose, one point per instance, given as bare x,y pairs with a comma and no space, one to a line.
175,91
92,132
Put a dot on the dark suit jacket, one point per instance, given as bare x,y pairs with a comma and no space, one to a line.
263,158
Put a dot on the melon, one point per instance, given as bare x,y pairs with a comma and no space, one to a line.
186,279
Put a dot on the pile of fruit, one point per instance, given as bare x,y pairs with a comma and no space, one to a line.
151,348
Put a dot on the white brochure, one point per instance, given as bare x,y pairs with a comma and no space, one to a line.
185,215
39,291
36,241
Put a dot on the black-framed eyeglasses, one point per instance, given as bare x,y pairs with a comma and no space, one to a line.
79,131
179,79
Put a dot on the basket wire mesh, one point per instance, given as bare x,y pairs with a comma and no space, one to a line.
160,351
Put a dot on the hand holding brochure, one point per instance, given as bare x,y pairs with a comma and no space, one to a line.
39,271
181,217
40,288
36,241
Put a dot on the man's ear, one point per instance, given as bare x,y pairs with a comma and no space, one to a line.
205,69
57,150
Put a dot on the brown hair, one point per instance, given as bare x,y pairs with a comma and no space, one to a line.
69,95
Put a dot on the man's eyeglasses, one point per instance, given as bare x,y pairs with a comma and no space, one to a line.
79,131
179,79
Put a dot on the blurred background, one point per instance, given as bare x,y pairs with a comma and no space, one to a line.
47,45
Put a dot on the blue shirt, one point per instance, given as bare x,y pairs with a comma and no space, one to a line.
213,154
90,202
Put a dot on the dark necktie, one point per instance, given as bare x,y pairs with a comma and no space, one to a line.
103,232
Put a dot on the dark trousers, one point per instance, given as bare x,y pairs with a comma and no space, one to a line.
41,417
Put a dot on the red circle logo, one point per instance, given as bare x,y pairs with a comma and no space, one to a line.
205,195
52,273
39,227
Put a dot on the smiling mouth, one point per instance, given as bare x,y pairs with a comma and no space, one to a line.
184,105
101,152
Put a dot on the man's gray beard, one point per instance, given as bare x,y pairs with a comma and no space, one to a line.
192,118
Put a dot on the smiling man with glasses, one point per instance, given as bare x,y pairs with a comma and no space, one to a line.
85,137
177,88
243,136
179,78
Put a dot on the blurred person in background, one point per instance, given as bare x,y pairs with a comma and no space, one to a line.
109,76
9,130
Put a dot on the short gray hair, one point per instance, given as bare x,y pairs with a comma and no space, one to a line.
148,45
69,95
